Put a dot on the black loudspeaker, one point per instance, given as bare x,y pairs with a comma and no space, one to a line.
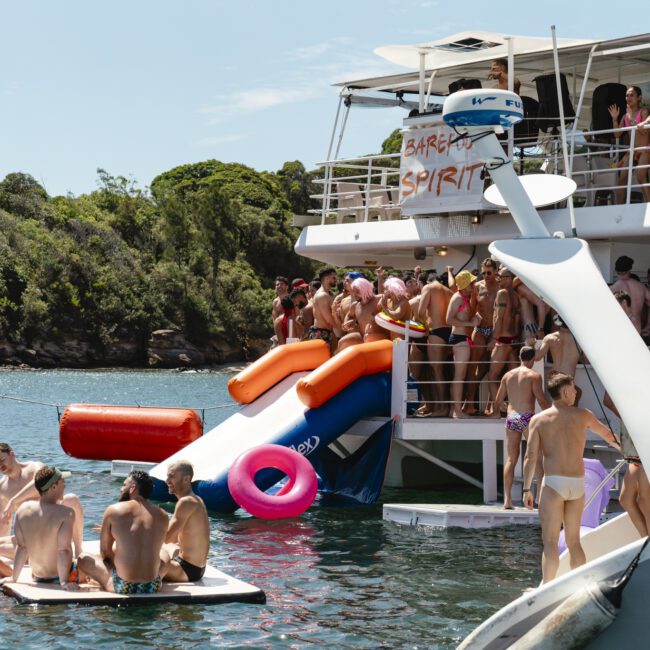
604,96
526,131
548,115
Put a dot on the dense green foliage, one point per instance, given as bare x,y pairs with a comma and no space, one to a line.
198,254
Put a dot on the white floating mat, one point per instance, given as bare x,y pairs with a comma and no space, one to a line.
214,587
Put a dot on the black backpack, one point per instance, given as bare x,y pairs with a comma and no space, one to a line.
548,115
604,96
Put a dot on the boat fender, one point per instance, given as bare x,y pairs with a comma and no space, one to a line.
575,622
292,500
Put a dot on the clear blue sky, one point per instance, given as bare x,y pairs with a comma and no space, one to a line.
139,86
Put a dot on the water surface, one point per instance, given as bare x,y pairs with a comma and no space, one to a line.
335,577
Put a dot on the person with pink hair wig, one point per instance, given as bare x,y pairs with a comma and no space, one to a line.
362,314
395,301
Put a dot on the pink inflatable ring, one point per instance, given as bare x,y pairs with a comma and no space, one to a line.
291,501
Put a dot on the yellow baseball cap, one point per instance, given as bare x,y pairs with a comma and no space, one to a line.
464,279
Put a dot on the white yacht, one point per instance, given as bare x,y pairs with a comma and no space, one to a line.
431,208
426,206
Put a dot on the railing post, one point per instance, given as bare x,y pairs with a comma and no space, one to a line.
630,165
328,188
399,381
368,182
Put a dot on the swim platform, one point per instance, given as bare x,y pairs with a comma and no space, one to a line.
215,587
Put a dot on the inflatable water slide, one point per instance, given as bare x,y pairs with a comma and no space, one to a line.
299,397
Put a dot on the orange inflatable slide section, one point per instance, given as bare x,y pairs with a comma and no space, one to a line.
340,371
274,366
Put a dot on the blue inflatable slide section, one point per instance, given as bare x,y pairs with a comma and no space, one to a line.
277,417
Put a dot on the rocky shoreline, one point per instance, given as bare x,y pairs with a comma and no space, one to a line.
163,349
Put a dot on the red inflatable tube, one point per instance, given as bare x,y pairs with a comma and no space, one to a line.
291,501
98,432
274,366
340,371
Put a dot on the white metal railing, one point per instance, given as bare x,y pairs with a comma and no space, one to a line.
367,188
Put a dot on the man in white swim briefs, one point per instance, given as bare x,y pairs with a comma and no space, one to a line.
560,432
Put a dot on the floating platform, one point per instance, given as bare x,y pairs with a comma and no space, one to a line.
122,468
215,587
457,515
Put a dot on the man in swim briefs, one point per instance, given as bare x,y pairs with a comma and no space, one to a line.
432,312
559,434
189,529
323,321
17,486
462,318
131,537
43,531
521,386
506,327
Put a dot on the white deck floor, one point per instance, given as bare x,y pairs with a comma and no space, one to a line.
462,516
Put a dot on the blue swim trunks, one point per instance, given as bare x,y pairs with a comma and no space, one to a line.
125,587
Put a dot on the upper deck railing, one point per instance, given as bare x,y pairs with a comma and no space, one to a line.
368,188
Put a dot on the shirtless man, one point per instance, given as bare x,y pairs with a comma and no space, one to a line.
499,72
432,312
189,529
486,292
130,541
521,386
564,352
343,301
418,355
635,489
462,318
638,292
363,316
43,531
533,313
625,302
506,328
17,486
281,290
323,322
559,433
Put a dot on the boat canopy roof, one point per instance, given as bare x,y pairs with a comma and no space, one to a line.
467,55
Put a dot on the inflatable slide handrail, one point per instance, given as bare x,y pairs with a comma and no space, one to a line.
340,371
274,366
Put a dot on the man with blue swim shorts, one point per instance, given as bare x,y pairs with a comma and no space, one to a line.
522,386
131,537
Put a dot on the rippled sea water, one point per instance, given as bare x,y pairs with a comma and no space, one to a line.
335,577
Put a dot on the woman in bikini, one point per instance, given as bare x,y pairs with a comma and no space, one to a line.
462,318
635,115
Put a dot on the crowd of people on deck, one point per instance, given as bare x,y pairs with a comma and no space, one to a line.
491,327
140,547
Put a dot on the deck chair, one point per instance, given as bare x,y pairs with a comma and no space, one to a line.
380,206
350,202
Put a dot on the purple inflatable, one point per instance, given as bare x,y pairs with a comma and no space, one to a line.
595,473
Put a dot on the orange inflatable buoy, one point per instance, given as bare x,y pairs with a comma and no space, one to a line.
99,432
274,366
